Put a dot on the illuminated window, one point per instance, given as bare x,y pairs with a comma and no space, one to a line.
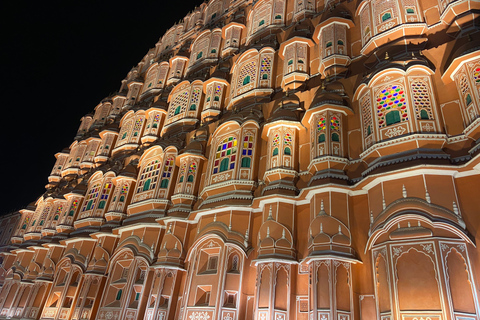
225,156
149,176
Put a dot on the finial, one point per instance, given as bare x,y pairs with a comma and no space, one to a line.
268,231
427,196
384,205
404,191
215,218
321,227
409,225
270,217
339,229
386,56
455,208
283,234
371,217
398,225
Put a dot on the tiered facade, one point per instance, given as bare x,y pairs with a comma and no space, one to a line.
270,160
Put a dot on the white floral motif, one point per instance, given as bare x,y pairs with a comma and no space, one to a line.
393,132
397,251
427,248
199,316
443,246
227,317
221,177
428,127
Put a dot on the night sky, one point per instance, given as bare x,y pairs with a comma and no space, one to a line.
59,61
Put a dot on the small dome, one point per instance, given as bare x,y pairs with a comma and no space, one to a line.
194,147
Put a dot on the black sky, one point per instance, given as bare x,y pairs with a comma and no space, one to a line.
59,60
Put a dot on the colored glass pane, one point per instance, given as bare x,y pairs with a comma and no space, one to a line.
227,149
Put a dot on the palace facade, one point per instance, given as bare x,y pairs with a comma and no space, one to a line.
270,160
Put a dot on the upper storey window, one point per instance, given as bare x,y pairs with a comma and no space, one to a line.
397,104
253,70
206,46
266,13
377,16
131,128
226,155
156,171
184,101
214,10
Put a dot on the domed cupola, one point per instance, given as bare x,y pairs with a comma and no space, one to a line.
326,117
281,133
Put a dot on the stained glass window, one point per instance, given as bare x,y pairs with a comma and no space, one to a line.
105,193
156,121
248,70
123,192
247,149
167,171
276,140
183,169
322,124
389,98
91,196
73,208
227,149
150,173
266,67
334,123
476,76
422,100
287,139
193,168
137,127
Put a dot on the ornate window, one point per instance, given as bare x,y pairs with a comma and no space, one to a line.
266,68
247,74
247,151
91,197
184,101
367,120
149,176
191,172
391,105
151,78
225,156
105,194
167,172
421,99
73,208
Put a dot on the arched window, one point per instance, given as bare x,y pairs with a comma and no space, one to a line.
391,97
275,152
224,165
164,183
335,137
199,55
423,114
190,178
149,176
321,138
265,76
393,117
181,178
329,44
193,107
235,263
73,208
167,171
287,151
246,162
119,295
225,156
386,16
91,197
246,80
146,186
468,99
177,110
